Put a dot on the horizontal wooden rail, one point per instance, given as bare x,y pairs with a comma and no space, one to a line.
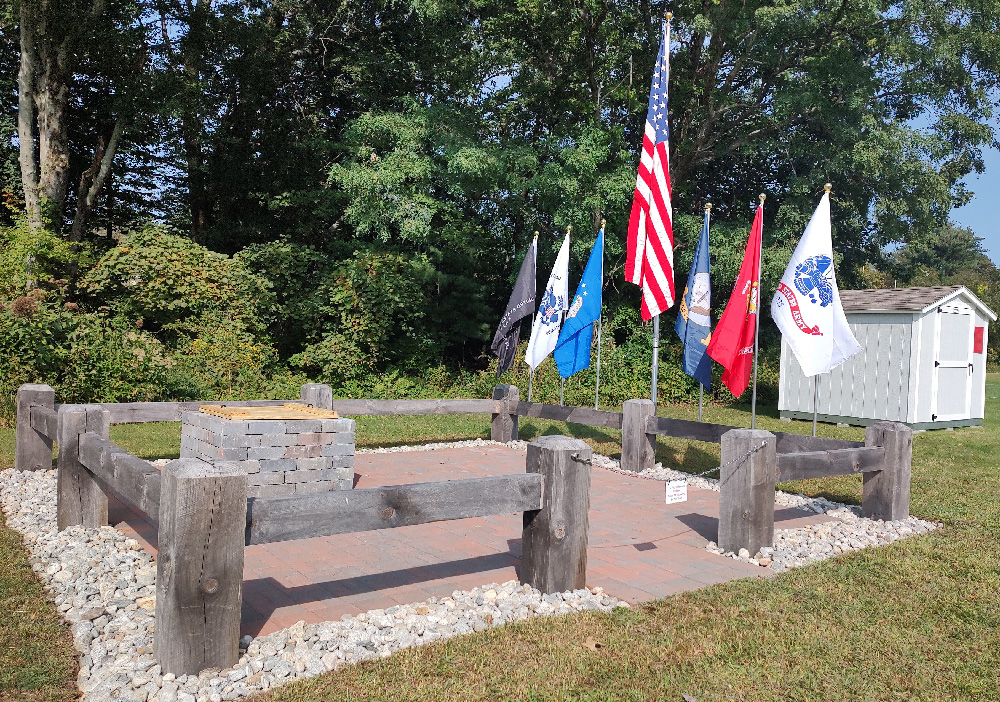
290,517
45,421
135,480
142,412
576,415
686,429
797,443
352,408
825,464
703,431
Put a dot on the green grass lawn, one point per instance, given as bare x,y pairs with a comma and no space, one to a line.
37,659
917,620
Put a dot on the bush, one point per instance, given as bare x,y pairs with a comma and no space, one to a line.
223,360
171,283
86,357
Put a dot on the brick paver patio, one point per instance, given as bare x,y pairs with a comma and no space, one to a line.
640,548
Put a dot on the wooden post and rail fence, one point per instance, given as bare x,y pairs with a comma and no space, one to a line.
202,507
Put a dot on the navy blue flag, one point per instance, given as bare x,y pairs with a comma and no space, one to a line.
572,353
694,323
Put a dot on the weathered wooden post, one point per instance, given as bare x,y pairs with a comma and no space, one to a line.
80,499
746,490
318,395
199,565
504,425
886,493
554,540
34,449
638,447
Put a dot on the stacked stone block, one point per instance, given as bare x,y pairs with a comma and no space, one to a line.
281,456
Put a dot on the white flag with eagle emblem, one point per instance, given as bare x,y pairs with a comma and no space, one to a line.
555,301
806,306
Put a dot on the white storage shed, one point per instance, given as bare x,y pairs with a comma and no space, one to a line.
923,362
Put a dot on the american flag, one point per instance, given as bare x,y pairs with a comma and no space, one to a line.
650,261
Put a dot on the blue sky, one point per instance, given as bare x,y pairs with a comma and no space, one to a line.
982,215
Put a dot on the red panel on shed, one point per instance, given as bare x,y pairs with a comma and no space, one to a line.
977,340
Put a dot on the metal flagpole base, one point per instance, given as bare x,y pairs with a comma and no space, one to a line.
815,401
656,357
531,375
562,388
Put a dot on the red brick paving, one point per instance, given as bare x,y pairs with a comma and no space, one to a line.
640,549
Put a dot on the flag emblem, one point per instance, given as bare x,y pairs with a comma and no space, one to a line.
823,339
552,305
812,278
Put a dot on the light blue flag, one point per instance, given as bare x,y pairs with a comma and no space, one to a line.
694,320
572,353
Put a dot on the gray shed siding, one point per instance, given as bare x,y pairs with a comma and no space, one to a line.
875,384
917,365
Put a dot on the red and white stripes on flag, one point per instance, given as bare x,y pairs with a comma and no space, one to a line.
650,257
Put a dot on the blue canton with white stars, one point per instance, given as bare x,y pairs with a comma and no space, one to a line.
656,115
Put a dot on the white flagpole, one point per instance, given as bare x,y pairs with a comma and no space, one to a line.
600,319
656,319
656,357
531,371
701,397
756,333
815,401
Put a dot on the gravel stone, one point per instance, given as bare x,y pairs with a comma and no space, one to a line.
104,582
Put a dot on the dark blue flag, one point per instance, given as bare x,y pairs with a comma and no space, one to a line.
572,353
694,321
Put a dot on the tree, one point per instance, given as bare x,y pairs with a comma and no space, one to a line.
940,257
71,50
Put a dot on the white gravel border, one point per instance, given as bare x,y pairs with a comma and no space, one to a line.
103,583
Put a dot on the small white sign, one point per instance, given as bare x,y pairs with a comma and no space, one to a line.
677,491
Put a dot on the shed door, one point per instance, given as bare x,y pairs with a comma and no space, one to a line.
952,391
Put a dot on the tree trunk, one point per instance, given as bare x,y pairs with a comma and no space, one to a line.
28,156
51,112
93,180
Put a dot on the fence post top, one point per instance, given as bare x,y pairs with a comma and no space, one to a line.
762,434
635,403
558,442
892,426
63,409
196,468
35,387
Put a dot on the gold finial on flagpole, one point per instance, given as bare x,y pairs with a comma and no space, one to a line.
568,230
536,234
603,222
828,187
762,198
708,206
669,15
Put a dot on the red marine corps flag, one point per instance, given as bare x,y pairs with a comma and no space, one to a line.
650,258
733,341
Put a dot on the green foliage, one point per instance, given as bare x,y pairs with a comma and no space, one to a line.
345,310
223,360
29,254
86,357
169,282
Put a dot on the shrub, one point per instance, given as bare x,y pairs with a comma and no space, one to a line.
223,360
170,282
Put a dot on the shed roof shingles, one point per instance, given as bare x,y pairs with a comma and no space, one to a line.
902,299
